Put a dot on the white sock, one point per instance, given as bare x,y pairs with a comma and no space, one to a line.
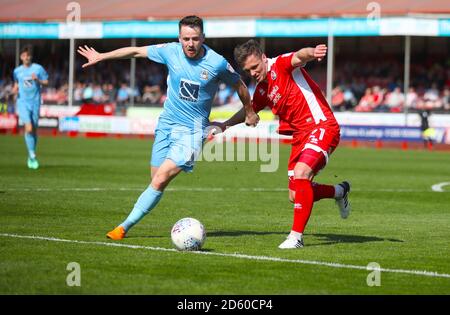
297,235
338,191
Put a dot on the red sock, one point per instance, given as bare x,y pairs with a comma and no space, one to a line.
304,196
322,191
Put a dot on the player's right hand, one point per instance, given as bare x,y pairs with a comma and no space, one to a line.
217,127
251,119
91,55
320,51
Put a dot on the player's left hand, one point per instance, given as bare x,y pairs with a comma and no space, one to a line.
34,76
320,52
251,119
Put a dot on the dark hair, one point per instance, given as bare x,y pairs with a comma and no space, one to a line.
28,49
248,48
191,21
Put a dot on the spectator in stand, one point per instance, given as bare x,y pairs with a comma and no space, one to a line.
366,102
152,94
412,98
88,93
431,98
98,95
61,95
123,96
78,93
349,99
337,99
378,97
136,94
446,99
395,100
110,93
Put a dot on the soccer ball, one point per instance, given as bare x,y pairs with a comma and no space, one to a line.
188,234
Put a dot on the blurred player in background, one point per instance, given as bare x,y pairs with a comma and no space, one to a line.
195,71
28,79
285,87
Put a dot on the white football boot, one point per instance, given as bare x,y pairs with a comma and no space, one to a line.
291,242
342,202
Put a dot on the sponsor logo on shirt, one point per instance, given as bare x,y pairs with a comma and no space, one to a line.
28,82
189,90
274,96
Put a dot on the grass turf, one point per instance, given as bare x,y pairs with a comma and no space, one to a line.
397,221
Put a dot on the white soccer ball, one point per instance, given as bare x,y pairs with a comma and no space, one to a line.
188,234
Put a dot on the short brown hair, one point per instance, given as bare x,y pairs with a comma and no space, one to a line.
191,21
248,48
26,49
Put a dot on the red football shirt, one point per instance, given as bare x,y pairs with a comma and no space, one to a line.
293,96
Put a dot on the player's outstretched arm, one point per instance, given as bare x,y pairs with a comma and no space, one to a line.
308,54
237,118
251,118
94,56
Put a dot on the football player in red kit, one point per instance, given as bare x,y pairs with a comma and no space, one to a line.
284,86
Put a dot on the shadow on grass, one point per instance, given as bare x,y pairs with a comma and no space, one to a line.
329,239
326,239
240,233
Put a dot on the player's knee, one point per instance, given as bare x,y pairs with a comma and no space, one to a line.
303,174
303,171
160,181
28,128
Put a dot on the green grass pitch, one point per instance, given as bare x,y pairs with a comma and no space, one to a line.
87,186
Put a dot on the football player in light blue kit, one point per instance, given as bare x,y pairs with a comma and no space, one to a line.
28,79
195,71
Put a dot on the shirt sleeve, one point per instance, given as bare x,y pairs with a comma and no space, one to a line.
159,53
42,74
15,76
227,74
285,62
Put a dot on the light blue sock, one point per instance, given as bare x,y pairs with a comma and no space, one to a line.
145,203
30,140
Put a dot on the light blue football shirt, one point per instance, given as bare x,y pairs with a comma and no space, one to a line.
29,89
191,84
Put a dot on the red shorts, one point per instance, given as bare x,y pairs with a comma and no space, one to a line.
312,148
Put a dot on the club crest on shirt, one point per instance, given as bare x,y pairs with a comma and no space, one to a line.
204,75
273,75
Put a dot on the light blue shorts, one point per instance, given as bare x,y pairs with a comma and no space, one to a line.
28,113
178,143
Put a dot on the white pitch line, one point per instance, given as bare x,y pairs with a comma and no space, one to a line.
206,189
236,255
438,187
